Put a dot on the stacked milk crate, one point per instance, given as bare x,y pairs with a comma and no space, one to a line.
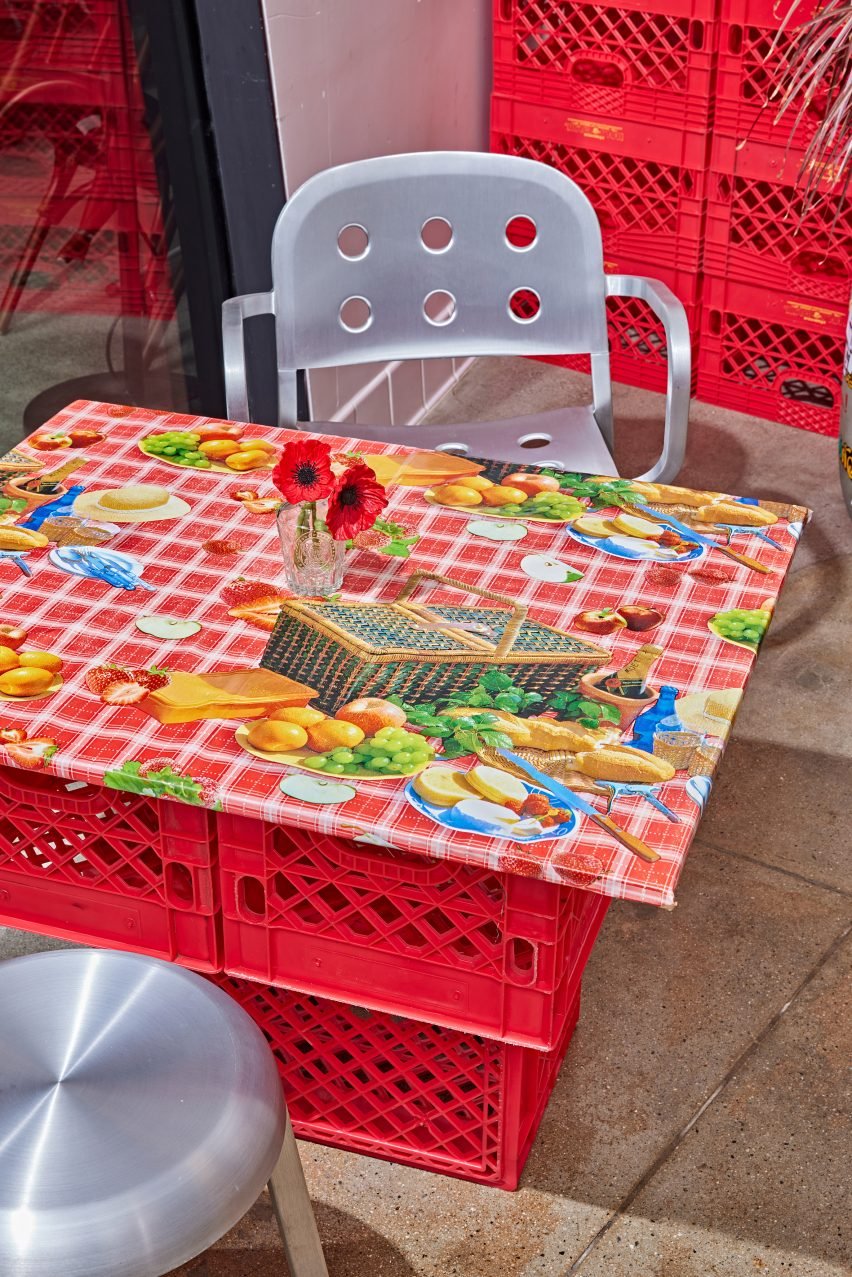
776,286
619,98
419,1010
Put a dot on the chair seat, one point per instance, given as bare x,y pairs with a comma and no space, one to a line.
141,1114
572,439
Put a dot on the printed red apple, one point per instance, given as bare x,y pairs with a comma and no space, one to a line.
218,430
639,616
47,443
13,636
81,436
603,621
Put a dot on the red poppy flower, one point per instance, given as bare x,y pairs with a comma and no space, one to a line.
304,471
356,503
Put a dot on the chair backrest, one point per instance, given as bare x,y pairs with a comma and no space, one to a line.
434,254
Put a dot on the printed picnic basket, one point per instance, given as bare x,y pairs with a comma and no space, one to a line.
422,653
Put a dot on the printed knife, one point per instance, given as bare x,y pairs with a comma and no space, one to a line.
689,534
569,799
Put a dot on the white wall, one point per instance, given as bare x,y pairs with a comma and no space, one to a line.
358,78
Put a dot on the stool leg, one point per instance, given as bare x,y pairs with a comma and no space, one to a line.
294,1212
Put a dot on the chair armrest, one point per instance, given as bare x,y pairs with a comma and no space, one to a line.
667,308
234,311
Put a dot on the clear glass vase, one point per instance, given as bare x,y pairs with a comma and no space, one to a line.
313,561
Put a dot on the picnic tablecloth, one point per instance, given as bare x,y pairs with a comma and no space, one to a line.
91,624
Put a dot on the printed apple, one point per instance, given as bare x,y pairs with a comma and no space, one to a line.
531,484
13,636
48,443
167,627
496,530
640,617
218,430
603,621
311,789
542,568
81,436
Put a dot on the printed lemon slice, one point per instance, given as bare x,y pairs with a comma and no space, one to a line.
591,526
498,786
632,526
442,786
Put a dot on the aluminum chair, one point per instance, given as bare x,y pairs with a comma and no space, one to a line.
454,253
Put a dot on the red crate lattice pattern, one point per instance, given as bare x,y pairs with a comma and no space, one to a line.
402,1089
107,867
499,954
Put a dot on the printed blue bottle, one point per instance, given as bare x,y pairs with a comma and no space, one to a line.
645,725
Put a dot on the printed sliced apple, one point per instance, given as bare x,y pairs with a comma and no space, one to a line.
167,627
541,568
499,531
312,789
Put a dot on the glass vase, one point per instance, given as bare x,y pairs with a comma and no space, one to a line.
313,561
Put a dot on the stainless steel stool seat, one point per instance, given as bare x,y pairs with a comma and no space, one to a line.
141,1115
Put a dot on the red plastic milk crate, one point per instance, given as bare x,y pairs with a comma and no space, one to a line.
648,62
772,355
497,954
404,1090
646,183
637,341
749,69
754,231
99,866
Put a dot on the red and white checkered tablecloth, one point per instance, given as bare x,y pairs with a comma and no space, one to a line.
88,623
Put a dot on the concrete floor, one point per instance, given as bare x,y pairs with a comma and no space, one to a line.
700,1125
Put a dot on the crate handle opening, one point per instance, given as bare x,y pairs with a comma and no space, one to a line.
521,960
597,71
251,898
819,265
735,40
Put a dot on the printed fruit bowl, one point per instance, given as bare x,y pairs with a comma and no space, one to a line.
741,627
519,496
390,754
229,453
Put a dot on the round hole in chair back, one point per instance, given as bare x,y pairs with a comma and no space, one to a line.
535,441
439,307
524,305
436,234
353,241
455,449
355,314
521,233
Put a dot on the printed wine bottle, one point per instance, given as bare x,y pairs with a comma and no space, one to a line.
646,724
631,681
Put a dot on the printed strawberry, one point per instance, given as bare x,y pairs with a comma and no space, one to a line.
370,539
665,578
125,693
100,678
157,765
209,792
12,735
151,679
520,865
31,754
223,547
712,574
577,869
241,592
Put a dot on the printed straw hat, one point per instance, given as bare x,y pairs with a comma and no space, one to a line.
142,503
